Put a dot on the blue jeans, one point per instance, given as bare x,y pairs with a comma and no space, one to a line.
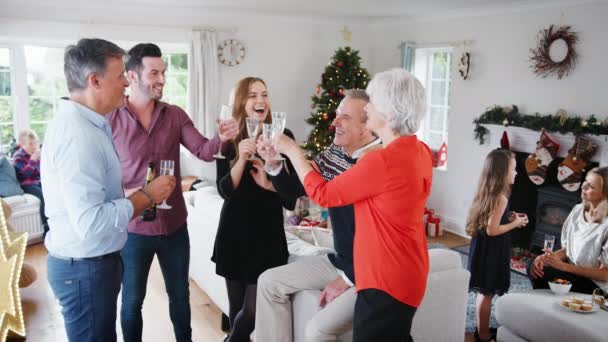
87,291
36,190
173,252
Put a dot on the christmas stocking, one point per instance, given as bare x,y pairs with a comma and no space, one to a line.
570,171
537,162
504,141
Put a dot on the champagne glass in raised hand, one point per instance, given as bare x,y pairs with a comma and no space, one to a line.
167,168
225,114
279,119
253,127
267,137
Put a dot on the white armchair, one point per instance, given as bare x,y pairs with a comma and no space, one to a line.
26,215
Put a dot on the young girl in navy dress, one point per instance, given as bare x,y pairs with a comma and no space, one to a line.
489,223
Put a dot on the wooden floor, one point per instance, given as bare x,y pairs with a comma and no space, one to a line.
44,322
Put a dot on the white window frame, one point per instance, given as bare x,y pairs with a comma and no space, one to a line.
423,69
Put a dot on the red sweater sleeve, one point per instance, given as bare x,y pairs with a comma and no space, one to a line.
365,179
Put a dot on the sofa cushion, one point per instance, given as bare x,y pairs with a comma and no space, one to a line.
538,316
9,186
443,259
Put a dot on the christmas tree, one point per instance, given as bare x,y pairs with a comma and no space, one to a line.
343,72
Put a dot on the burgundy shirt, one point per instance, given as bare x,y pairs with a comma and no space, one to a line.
136,147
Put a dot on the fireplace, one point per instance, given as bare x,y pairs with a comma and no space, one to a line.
547,205
552,208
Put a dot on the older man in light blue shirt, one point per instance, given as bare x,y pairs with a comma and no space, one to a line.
82,182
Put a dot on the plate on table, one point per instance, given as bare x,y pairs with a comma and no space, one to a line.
595,308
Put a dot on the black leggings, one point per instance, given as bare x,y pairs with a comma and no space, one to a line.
579,284
241,299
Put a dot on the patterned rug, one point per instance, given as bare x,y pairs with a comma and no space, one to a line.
519,283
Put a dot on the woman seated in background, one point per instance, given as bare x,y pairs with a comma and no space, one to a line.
583,258
27,166
389,188
250,238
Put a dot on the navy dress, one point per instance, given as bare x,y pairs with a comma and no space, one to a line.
490,261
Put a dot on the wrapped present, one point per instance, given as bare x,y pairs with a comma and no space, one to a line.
425,217
309,223
433,226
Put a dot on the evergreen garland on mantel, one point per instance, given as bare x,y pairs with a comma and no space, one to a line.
560,122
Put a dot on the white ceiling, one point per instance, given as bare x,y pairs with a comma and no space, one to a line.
372,9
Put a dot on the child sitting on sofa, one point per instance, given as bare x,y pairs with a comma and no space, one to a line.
27,166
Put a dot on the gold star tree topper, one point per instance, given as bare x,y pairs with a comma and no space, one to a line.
347,35
12,252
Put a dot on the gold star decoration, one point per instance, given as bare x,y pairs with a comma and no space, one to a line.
12,253
347,34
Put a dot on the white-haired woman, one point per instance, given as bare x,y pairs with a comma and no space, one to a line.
389,188
583,258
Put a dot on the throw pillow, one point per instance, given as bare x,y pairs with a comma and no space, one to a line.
8,180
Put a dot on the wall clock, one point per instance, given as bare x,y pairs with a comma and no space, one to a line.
231,52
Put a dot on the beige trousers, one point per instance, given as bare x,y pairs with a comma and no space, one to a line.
273,320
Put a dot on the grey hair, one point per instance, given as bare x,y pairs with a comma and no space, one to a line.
88,56
359,94
27,134
400,97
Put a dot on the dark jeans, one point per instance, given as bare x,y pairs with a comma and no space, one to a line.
87,291
579,284
173,252
36,190
380,317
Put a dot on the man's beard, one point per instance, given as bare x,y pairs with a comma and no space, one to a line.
149,90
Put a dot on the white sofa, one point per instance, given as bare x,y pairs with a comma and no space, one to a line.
441,317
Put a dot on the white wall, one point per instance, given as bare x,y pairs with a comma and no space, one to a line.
500,74
289,53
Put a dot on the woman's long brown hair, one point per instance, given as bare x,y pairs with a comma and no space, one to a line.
492,184
241,94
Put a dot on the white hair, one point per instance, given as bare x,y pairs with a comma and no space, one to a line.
400,98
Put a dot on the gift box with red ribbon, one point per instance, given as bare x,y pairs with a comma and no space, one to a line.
432,223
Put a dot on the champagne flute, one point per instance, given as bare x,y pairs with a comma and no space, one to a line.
225,114
267,136
279,119
253,126
166,169
549,242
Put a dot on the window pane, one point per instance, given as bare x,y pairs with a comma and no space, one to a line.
39,128
179,62
440,65
438,93
6,111
45,77
6,134
41,108
435,140
5,81
179,101
437,118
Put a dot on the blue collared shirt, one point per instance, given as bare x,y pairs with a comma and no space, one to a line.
87,211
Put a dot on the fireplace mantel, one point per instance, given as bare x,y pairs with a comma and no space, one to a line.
524,140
